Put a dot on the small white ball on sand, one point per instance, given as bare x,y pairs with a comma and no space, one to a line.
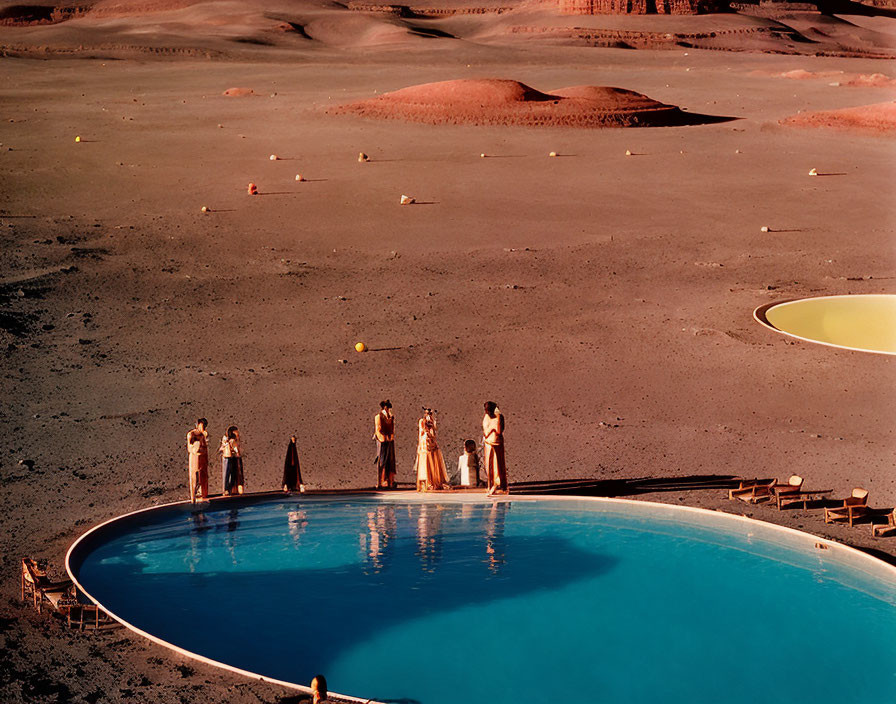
813,172
299,177
204,209
764,228
628,152
274,157
552,153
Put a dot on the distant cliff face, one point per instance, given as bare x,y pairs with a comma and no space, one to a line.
641,7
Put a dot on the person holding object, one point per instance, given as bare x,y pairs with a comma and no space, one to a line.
493,449
384,434
431,471
292,471
197,451
233,462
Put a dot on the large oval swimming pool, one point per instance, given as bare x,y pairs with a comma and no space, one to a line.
420,599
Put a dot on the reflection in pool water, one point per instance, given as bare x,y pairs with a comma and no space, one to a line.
859,322
435,601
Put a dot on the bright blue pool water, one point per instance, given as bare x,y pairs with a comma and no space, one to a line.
442,601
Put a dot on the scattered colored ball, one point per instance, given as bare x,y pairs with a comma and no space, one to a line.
360,347
77,139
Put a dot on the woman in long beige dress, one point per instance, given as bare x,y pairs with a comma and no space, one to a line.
431,470
493,455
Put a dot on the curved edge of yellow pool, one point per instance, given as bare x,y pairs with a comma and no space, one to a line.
857,322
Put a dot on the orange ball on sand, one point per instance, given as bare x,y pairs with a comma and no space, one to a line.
360,347
252,190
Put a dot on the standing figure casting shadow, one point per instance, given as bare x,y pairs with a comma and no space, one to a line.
430,468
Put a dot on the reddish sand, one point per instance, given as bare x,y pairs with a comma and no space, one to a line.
604,301
853,80
880,117
504,102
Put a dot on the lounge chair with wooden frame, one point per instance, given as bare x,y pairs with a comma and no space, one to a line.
61,596
792,493
853,507
794,484
39,588
752,490
888,528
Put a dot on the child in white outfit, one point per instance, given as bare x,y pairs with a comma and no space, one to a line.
468,465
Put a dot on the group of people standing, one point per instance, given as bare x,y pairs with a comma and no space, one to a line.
233,478
232,469
429,467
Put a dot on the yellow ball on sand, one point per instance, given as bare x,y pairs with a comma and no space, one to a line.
360,347
77,139
552,154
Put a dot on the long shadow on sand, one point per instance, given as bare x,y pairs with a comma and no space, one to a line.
626,487
293,622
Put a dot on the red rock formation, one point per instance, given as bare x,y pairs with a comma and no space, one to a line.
641,7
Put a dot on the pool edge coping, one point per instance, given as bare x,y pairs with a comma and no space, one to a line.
829,543
760,317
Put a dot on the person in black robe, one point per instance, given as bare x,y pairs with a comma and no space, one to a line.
292,472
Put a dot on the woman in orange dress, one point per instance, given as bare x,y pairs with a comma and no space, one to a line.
493,455
431,470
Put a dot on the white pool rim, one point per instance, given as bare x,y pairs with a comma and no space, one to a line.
875,564
760,317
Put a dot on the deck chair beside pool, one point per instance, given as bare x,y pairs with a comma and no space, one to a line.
793,493
793,485
752,490
60,596
853,507
885,529
39,588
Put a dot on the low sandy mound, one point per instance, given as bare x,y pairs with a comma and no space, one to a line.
859,80
505,102
238,92
880,117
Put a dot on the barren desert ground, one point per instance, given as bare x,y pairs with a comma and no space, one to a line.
604,300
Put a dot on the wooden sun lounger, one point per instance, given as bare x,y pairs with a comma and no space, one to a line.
888,528
61,596
853,507
801,497
40,588
752,490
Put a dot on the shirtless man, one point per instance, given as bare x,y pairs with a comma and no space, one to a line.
197,449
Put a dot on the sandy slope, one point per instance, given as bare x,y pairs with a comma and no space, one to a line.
603,300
